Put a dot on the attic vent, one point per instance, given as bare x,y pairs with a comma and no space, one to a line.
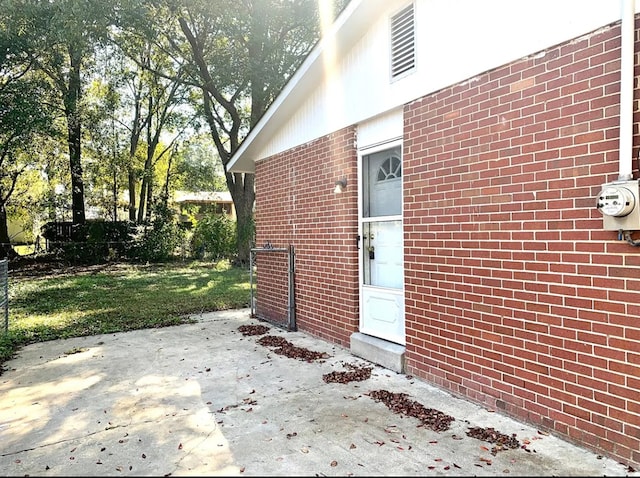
403,54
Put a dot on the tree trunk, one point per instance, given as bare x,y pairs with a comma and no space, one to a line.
115,195
132,194
149,206
143,197
74,134
241,187
6,249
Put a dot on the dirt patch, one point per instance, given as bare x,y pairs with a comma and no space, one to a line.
400,403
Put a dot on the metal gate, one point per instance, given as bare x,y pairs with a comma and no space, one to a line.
275,269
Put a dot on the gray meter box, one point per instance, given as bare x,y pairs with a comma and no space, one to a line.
619,203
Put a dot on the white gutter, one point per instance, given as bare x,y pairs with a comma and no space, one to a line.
627,56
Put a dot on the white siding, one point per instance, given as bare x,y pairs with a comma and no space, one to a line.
380,129
456,40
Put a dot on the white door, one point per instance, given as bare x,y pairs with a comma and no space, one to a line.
382,254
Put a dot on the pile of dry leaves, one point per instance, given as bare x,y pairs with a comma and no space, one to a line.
400,403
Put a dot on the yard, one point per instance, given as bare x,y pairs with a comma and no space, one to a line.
57,302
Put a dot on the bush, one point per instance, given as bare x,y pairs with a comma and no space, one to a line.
158,241
214,238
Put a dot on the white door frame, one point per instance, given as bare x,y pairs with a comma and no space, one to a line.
387,301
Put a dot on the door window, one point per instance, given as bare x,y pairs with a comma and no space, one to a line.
383,184
382,219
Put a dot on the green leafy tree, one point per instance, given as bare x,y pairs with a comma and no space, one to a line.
200,168
155,94
105,159
238,54
25,114
75,28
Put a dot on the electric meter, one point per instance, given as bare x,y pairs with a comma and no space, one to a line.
619,203
616,201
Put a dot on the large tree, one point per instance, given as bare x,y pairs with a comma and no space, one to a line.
25,112
75,29
238,54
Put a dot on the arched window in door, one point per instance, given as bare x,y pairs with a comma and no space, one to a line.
391,168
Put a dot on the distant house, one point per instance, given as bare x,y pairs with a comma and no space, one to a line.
202,203
468,241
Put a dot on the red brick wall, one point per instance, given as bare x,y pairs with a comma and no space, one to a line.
515,295
296,205
272,286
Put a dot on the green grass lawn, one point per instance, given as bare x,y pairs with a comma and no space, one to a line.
117,298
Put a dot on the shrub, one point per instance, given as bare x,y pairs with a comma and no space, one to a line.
158,241
214,238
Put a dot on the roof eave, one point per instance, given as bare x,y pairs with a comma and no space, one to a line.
350,25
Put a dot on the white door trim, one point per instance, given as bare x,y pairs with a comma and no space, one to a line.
378,299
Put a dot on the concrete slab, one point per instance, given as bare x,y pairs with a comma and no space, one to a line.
378,351
203,399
